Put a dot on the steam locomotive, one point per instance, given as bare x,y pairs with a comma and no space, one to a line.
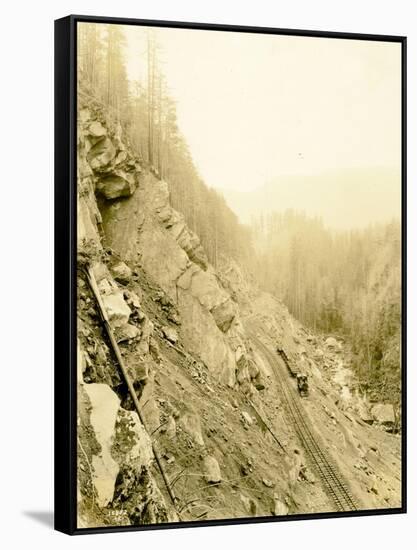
295,371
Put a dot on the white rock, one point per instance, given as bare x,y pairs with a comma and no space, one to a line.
212,470
267,482
117,309
170,334
96,129
105,287
247,417
104,408
280,508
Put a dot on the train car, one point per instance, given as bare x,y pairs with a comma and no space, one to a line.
296,371
289,362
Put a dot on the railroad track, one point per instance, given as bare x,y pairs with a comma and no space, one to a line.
333,482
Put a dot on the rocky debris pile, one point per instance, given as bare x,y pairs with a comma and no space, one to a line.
115,451
146,230
168,307
114,460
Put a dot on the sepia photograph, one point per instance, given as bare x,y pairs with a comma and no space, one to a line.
239,275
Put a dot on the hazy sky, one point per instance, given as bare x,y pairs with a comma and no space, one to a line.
254,107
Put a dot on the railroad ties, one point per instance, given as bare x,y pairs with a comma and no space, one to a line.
333,481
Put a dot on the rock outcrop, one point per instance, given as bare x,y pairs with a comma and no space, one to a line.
153,234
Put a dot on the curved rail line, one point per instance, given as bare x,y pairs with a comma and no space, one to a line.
332,479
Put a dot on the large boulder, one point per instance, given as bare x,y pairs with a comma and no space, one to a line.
224,314
211,470
127,332
117,184
170,334
96,129
383,413
121,272
117,309
279,507
104,408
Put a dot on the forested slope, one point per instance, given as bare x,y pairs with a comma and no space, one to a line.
147,113
345,282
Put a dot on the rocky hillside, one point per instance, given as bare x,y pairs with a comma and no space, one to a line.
197,343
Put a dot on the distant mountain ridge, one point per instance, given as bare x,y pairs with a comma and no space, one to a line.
350,199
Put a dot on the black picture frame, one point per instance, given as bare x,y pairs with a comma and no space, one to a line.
65,269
